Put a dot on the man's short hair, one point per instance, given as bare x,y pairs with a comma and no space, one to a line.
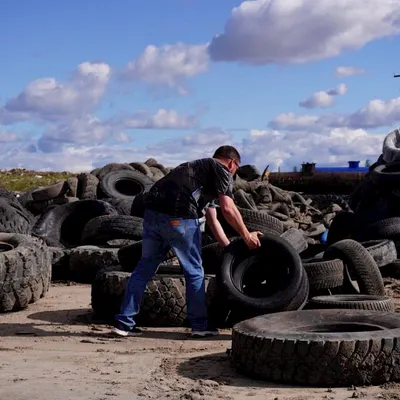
227,152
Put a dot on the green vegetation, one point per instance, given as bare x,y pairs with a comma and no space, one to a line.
22,180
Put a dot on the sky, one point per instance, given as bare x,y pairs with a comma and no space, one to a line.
85,83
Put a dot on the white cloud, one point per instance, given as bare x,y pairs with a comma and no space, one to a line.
300,31
47,99
376,113
342,72
324,98
291,121
162,119
78,131
169,65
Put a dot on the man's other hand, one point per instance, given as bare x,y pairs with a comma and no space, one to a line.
252,241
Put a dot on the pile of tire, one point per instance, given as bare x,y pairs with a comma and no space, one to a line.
347,332
70,229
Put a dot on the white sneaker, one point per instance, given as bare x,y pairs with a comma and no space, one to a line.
120,330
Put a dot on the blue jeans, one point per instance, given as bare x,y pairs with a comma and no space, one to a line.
162,232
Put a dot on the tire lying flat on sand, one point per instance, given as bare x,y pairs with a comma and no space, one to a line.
319,347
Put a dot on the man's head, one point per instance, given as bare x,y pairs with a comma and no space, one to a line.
229,156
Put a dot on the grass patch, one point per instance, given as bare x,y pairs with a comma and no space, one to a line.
22,180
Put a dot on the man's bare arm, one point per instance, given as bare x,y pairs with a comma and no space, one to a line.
234,218
215,226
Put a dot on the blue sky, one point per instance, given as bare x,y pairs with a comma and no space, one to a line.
100,94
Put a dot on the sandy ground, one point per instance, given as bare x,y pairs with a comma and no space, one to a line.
53,351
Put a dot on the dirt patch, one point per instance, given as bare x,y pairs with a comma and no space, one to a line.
55,351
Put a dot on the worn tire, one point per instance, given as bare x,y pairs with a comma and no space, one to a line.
164,301
388,228
25,272
382,251
50,191
286,285
319,347
108,227
13,217
63,225
359,262
324,274
113,167
125,184
353,302
85,261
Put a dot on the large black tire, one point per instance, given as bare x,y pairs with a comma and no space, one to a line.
25,271
276,261
386,176
360,264
388,228
164,301
9,195
382,251
85,261
111,167
101,229
49,192
125,184
353,302
324,274
13,217
63,225
319,347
